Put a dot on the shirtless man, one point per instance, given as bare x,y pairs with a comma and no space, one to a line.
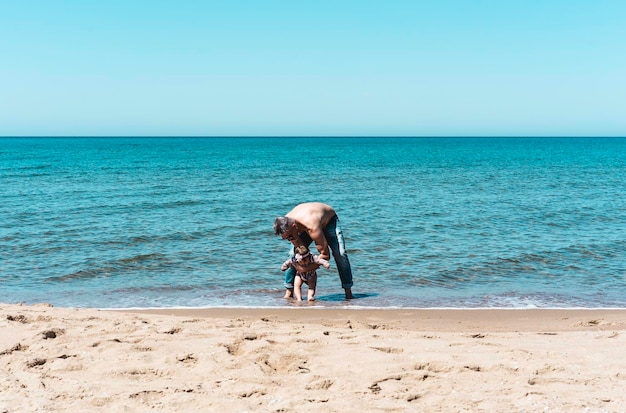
315,222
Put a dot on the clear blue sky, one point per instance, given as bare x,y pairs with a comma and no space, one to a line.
228,68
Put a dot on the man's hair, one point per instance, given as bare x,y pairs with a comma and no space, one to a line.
282,224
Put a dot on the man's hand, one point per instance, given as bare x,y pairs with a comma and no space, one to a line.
321,261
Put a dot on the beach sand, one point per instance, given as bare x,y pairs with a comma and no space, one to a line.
311,360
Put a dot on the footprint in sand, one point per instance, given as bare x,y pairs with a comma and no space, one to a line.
147,396
399,386
173,330
390,350
36,362
17,347
187,358
233,348
317,384
53,333
19,318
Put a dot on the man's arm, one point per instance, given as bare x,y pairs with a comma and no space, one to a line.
321,244
321,261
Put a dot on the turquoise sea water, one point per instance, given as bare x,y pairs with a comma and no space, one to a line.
429,222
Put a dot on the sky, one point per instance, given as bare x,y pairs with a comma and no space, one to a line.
313,68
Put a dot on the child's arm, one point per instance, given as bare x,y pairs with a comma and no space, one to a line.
321,261
286,265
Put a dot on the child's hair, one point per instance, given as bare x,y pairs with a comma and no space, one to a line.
302,250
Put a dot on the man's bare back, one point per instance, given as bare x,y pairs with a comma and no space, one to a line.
312,217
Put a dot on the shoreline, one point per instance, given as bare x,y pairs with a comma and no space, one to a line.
294,360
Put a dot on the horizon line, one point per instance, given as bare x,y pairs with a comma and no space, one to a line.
311,136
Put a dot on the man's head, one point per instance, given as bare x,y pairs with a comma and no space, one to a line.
286,227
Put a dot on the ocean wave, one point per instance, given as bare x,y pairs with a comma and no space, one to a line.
123,266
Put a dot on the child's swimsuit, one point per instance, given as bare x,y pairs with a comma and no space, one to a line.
306,276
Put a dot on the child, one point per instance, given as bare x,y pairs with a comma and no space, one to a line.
300,260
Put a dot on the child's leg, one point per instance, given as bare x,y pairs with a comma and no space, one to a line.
312,283
297,288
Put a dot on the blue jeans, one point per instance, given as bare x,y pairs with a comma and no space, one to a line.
334,238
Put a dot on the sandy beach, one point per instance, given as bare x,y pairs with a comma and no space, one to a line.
307,359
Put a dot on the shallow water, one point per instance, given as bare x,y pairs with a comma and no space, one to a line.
429,222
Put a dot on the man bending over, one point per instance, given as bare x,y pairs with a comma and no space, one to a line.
315,222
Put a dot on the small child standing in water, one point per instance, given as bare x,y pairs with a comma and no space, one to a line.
302,259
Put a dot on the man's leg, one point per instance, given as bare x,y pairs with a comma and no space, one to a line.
334,237
290,274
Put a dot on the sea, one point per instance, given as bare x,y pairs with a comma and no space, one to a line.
177,222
